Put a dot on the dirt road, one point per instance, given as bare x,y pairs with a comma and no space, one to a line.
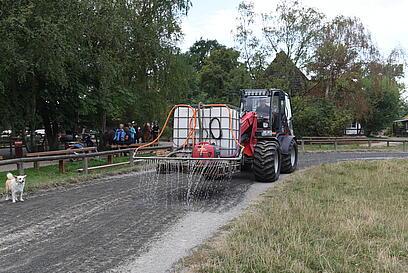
124,223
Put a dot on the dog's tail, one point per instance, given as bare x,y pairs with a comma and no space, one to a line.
10,176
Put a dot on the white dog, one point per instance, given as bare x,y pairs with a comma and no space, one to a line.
15,185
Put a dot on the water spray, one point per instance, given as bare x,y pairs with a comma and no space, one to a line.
200,160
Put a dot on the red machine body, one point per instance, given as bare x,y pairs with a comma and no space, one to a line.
205,150
248,129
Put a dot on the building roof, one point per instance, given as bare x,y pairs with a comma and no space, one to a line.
283,69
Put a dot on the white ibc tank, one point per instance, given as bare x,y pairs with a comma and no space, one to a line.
220,125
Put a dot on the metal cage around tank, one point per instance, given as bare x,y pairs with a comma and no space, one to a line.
219,125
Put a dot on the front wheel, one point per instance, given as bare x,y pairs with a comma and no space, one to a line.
267,161
290,160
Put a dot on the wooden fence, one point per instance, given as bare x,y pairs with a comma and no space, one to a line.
338,141
335,141
83,156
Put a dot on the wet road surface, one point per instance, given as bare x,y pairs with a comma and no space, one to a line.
102,225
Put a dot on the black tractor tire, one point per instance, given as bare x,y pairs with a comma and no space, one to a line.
290,160
267,161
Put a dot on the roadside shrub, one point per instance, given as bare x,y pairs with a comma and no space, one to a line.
318,117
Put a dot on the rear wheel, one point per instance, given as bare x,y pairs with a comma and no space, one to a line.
290,160
267,161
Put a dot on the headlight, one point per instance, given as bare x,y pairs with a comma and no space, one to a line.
265,125
266,133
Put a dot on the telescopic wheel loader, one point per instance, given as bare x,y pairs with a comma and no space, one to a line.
221,138
267,134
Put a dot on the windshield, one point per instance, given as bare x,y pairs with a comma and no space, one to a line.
251,104
261,105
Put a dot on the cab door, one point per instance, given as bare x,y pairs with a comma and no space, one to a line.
288,113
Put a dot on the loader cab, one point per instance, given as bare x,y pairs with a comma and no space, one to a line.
273,109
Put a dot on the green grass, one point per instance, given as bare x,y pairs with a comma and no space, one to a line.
347,217
49,176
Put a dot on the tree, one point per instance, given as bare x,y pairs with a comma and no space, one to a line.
201,50
222,76
351,81
383,94
250,46
354,76
39,38
154,29
104,59
343,47
293,29
86,59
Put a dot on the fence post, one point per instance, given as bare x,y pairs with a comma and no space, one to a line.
61,166
85,167
110,159
404,146
369,143
388,144
335,145
302,142
131,161
20,167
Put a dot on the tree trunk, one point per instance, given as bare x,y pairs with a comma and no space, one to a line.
52,135
329,86
33,146
51,132
103,122
32,118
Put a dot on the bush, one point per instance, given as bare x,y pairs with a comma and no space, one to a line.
318,117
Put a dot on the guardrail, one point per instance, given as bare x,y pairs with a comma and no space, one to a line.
84,156
337,141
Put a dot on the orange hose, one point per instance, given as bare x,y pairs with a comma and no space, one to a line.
165,125
191,128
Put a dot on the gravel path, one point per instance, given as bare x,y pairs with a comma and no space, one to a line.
125,223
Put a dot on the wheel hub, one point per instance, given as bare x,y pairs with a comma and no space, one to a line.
293,157
276,162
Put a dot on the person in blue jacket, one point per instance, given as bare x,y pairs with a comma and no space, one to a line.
133,134
119,135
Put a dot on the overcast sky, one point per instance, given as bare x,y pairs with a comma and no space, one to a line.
387,20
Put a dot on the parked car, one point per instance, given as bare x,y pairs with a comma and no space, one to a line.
5,134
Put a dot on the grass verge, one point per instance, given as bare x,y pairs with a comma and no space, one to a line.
49,176
346,217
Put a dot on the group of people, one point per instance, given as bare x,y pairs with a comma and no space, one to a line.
130,133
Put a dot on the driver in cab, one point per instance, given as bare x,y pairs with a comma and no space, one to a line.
264,108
